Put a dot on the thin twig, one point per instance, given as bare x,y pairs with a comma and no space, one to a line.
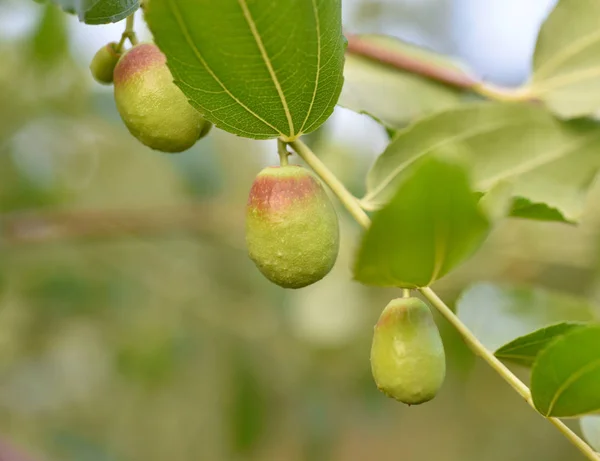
42,227
451,76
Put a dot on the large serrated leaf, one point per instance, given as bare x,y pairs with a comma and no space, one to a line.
547,161
430,226
256,68
99,11
497,314
392,96
565,378
566,63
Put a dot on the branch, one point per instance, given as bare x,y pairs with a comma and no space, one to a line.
42,227
351,204
442,74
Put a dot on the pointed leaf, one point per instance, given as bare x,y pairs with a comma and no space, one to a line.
547,161
565,378
430,226
256,68
590,426
99,11
525,349
566,63
392,96
497,314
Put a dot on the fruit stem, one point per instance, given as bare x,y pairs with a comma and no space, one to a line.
405,293
348,200
352,205
128,33
283,153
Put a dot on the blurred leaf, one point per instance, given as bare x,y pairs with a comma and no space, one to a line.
430,226
498,314
548,161
590,426
496,203
525,349
392,96
50,42
565,378
566,63
151,362
248,418
259,69
524,208
99,11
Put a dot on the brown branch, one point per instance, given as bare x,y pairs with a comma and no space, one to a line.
450,76
47,226
442,74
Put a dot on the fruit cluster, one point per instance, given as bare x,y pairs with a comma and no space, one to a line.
152,107
292,230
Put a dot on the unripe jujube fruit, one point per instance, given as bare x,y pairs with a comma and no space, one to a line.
292,230
104,62
153,108
407,354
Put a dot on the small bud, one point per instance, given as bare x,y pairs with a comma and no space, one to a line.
407,354
292,229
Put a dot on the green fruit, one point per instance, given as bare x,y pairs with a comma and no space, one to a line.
153,108
292,230
104,62
407,354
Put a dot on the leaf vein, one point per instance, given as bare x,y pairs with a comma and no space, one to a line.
185,31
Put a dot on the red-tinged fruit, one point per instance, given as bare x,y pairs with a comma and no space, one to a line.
407,354
153,108
292,230
104,62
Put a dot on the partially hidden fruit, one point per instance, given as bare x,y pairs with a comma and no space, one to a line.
292,230
407,354
104,62
153,108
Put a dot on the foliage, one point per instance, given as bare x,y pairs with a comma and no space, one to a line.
452,172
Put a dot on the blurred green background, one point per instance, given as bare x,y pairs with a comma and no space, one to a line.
133,326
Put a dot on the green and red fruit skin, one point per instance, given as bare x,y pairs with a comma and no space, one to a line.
292,230
152,107
407,354
104,62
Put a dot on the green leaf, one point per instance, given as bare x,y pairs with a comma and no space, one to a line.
497,314
390,95
256,68
430,226
99,11
590,426
525,349
249,403
566,63
565,379
50,42
524,208
546,160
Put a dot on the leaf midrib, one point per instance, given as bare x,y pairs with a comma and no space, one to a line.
590,367
269,65
573,49
482,129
